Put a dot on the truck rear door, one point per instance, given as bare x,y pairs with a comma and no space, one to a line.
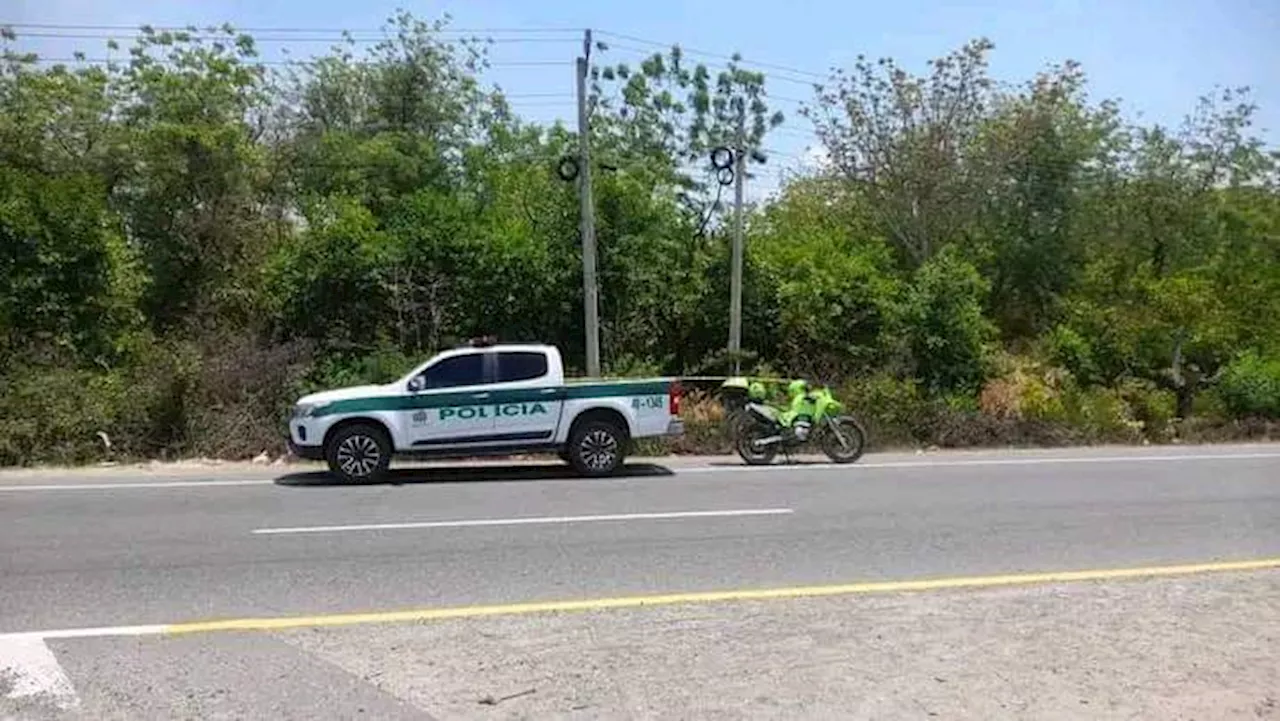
528,401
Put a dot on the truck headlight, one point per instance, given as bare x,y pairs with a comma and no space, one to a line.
306,410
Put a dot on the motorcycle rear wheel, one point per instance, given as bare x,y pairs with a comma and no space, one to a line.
744,438
854,436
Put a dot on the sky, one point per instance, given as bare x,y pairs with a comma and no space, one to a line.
1156,56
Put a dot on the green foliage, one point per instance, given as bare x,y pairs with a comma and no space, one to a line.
941,321
55,415
1154,408
337,370
910,145
836,287
190,238
1072,350
326,284
666,114
1250,385
69,283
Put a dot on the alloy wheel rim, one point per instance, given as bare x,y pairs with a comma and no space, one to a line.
599,450
358,456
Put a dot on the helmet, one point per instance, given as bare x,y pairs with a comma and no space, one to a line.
756,391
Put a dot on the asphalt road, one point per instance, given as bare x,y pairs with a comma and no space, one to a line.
107,549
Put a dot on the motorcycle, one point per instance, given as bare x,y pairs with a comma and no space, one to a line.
812,415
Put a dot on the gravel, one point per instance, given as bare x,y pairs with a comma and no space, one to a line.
1202,648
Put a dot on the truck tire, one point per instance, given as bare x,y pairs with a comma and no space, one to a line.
597,448
359,453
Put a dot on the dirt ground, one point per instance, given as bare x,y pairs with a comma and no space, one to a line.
1191,648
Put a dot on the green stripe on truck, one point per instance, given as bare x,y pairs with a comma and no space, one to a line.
573,391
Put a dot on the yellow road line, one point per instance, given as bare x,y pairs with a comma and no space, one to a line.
598,604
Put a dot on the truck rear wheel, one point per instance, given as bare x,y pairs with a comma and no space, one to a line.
597,448
358,453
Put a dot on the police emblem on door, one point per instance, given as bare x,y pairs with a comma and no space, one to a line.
420,418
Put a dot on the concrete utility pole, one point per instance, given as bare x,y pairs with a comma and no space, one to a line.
590,293
735,282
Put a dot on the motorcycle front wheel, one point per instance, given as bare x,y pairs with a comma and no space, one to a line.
843,440
744,440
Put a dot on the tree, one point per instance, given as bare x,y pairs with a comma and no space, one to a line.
192,194
943,327
836,283
1041,145
662,119
69,281
1163,292
908,143
388,123
189,239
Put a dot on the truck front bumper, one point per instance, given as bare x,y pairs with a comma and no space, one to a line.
310,453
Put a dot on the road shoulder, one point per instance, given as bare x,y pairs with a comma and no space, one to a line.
213,470
1187,648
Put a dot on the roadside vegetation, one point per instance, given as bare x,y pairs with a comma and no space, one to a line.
190,238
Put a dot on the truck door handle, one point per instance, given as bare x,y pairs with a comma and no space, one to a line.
549,391
479,396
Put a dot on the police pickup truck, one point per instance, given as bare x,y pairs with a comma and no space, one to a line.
483,399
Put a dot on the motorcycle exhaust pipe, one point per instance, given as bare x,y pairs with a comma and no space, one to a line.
762,442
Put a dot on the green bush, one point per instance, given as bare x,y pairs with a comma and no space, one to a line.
1155,408
1209,406
945,332
1095,413
894,411
629,366
1250,386
225,400
1071,350
380,365
1102,414
54,416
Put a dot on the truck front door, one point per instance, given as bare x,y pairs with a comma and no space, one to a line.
453,404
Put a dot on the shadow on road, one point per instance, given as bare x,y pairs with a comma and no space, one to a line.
781,463
474,474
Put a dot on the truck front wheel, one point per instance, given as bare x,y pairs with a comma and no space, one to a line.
597,448
358,453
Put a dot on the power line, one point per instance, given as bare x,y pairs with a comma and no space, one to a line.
125,59
562,96
717,56
304,35
795,132
647,51
57,30
187,28
271,39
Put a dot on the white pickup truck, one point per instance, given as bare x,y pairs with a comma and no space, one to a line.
483,399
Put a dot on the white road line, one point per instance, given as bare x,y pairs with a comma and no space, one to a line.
1033,461
729,467
32,672
140,484
538,520
94,632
